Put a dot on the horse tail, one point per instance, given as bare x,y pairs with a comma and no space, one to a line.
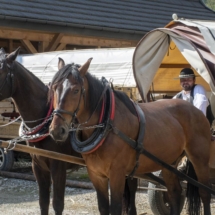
193,197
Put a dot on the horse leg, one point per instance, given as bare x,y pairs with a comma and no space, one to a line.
129,196
174,191
101,185
117,185
58,174
44,182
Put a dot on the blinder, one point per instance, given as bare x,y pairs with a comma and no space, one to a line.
9,78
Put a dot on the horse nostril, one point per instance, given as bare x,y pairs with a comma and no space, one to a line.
63,131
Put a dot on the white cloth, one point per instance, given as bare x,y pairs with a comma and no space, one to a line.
200,99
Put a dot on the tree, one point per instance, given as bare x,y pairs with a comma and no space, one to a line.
210,4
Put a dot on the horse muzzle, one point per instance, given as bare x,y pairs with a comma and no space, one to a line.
59,133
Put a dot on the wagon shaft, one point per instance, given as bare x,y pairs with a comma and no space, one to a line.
45,153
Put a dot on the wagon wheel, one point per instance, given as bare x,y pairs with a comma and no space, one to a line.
159,201
6,160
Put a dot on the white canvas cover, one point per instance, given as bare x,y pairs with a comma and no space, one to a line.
112,63
165,51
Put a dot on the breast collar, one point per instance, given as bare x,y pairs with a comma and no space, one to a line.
97,138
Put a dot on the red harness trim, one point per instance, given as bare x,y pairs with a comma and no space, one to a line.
112,114
42,124
102,111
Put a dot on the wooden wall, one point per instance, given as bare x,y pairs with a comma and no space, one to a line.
35,41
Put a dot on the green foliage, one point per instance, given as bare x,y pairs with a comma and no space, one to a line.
210,4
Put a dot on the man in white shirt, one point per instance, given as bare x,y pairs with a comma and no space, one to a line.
193,93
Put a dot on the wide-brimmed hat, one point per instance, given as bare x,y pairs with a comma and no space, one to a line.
186,73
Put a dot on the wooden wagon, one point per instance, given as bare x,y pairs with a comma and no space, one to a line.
157,59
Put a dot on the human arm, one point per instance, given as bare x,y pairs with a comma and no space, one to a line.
200,100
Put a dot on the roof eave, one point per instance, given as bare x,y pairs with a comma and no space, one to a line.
73,28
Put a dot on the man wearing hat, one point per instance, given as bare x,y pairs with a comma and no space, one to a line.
193,93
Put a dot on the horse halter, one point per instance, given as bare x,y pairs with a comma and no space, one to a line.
59,112
9,76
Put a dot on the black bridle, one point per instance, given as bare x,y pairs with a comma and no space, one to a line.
9,78
59,112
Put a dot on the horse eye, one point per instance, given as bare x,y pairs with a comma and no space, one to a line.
76,91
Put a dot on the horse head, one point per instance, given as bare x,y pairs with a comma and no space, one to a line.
68,90
6,74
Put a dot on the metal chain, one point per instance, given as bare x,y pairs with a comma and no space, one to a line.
23,138
34,128
86,128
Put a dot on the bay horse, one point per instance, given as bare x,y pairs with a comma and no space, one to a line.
171,127
30,96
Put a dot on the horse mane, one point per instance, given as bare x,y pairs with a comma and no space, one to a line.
29,72
95,89
123,97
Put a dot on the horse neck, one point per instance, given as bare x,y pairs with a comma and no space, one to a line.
88,115
30,95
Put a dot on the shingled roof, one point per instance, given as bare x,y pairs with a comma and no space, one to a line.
134,17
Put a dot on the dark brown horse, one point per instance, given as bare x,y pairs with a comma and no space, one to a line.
30,96
172,127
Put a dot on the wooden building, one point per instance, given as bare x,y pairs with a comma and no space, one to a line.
41,26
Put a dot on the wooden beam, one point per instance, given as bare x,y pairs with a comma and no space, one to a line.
54,43
61,47
66,39
25,35
28,45
92,41
42,46
10,46
175,66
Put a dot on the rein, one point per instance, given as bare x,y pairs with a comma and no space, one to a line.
43,127
10,76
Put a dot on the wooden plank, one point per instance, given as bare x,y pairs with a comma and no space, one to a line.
25,35
69,183
28,46
10,46
95,41
6,104
175,66
6,109
42,46
55,41
61,47
66,39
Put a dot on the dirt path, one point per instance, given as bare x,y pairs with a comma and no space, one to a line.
20,197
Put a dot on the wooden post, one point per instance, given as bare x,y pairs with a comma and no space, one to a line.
69,183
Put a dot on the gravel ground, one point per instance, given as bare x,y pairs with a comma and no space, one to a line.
20,197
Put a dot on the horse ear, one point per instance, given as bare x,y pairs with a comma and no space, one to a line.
12,56
83,69
61,63
2,51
